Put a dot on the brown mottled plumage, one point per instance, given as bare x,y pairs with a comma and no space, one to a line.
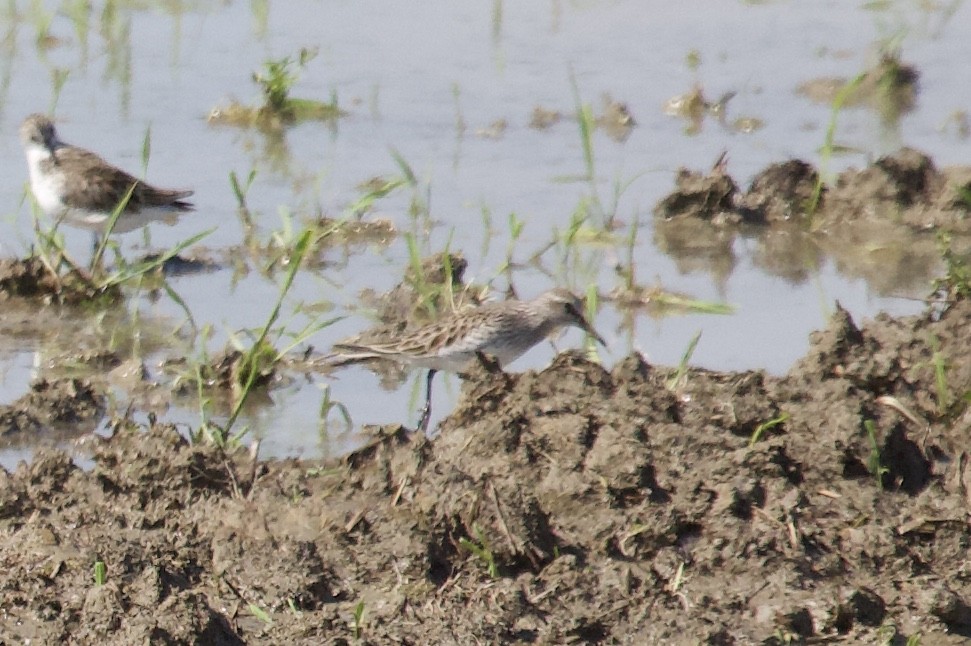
78,186
504,330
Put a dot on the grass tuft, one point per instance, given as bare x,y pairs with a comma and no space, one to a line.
279,108
480,549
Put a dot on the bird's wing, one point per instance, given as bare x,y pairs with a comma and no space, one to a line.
102,186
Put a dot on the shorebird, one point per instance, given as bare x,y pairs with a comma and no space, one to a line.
79,187
504,330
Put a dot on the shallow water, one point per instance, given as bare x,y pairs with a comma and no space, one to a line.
424,81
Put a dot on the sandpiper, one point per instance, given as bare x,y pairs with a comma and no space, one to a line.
504,330
79,187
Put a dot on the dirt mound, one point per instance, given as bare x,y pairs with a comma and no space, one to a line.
73,406
32,278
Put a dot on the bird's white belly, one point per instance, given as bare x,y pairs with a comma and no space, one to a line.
455,359
47,189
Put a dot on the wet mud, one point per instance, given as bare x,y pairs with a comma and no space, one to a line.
577,504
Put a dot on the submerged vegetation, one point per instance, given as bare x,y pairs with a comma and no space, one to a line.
278,108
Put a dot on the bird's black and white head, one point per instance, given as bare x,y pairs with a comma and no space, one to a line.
564,308
38,136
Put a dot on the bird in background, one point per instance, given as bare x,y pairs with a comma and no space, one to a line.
77,186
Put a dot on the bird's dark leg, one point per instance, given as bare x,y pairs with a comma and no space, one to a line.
426,411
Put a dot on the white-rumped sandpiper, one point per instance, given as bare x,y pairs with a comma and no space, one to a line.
504,330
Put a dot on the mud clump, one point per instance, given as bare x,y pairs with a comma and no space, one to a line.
711,196
783,191
228,375
58,407
32,278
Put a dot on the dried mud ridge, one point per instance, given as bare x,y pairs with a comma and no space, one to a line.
573,505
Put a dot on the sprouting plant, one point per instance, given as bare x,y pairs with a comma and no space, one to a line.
279,76
103,242
260,614
42,27
609,214
146,148
327,405
278,108
405,168
873,465
430,294
126,272
592,304
887,635
292,605
241,190
58,80
100,572
674,585
414,260
766,426
587,123
939,361
287,235
577,219
357,625
374,193
50,244
208,432
487,229
629,273
481,551
418,207
460,124
826,152
677,380
253,360
515,231
956,282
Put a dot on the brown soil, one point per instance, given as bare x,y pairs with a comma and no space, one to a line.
572,505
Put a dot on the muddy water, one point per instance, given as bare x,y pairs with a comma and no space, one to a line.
436,83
